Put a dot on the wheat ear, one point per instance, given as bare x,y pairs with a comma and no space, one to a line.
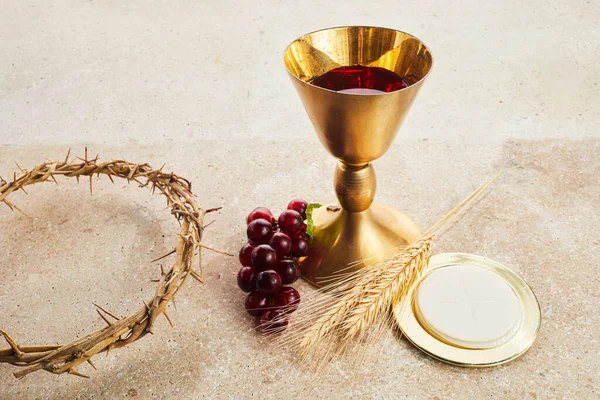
380,285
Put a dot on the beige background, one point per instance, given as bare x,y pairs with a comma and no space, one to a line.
201,86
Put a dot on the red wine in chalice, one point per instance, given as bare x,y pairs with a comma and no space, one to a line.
359,79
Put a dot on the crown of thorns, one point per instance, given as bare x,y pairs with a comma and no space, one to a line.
120,331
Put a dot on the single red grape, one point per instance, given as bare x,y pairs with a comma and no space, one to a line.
264,257
259,231
268,281
246,253
273,321
260,212
290,222
289,297
257,302
246,279
281,243
300,247
287,270
299,205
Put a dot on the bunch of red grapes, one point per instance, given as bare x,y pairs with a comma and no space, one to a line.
270,262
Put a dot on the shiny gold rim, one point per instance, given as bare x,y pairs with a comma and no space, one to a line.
520,342
340,27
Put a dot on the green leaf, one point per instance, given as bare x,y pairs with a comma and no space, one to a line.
309,218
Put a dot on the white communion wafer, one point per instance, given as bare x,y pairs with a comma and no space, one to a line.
468,306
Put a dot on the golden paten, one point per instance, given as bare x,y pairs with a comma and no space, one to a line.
426,340
356,129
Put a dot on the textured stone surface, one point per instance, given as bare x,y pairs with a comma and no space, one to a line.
202,88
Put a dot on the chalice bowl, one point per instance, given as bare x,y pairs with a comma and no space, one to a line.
357,84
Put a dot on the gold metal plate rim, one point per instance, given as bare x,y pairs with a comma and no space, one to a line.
514,348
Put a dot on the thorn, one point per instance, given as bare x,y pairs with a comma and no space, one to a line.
89,360
166,255
162,270
213,209
22,212
9,204
107,312
54,179
209,224
86,154
91,192
112,171
197,277
171,279
77,177
168,319
67,157
147,306
103,317
11,343
73,371
23,189
142,184
152,177
18,166
174,303
215,250
111,178
154,280
14,207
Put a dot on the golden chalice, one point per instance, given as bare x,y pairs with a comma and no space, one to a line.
357,129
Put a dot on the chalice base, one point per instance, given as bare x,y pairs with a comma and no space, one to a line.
345,242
